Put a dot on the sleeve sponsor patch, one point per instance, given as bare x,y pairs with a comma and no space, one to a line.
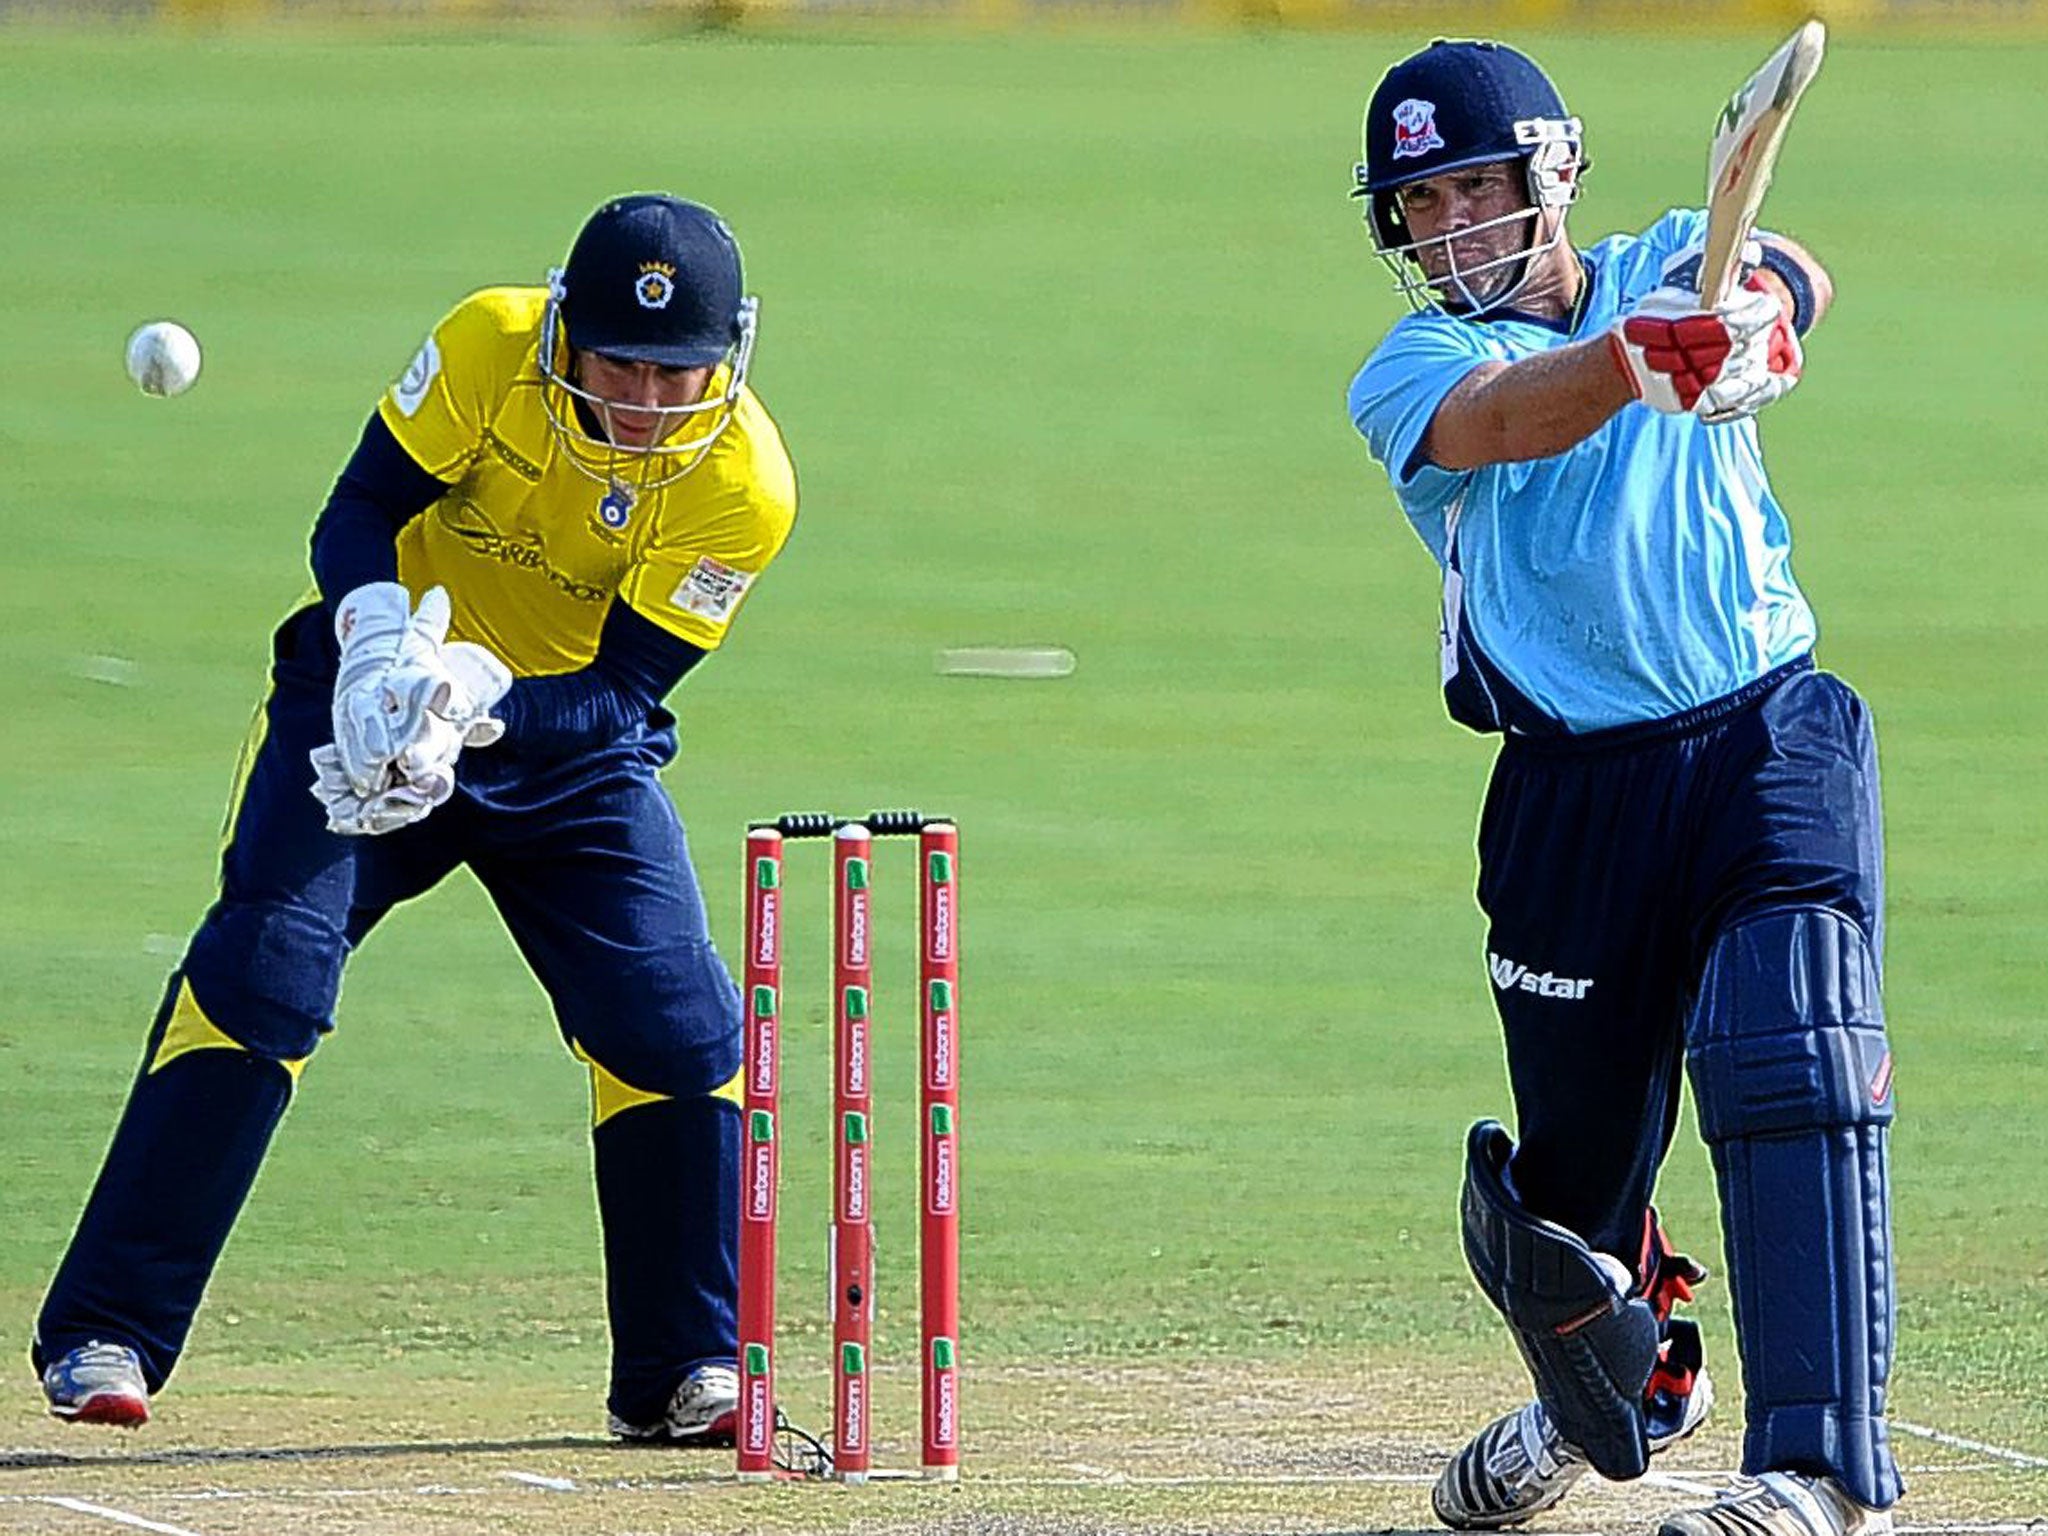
409,391
711,590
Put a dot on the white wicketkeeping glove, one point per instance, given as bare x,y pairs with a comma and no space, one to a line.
1719,364
385,810
471,680
389,673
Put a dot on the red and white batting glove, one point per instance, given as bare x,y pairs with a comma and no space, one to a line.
1718,364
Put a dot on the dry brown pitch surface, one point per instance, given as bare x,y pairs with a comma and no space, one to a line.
1053,1451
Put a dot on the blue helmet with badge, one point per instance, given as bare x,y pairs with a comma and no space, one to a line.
653,279
1454,105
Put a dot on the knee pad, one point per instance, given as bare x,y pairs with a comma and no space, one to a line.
667,1026
1792,1078
266,975
1589,1343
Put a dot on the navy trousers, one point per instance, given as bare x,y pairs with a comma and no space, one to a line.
587,862
1609,863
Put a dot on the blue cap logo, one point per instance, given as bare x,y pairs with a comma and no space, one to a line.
656,284
1415,129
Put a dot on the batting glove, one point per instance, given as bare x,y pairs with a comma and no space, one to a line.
1719,364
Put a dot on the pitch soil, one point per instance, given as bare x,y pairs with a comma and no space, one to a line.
1053,1450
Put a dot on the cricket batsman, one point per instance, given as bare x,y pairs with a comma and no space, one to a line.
551,518
1680,852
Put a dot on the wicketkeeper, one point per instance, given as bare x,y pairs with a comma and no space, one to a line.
551,518
1680,854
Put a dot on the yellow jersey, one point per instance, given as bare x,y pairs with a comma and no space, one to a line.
531,548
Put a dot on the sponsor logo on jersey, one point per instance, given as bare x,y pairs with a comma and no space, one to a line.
711,590
520,464
411,390
1513,976
466,520
1415,129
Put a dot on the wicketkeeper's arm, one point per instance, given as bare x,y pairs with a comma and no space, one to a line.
636,665
379,491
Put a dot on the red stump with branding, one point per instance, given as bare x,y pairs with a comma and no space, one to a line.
853,1229
760,1158
939,1157
851,1263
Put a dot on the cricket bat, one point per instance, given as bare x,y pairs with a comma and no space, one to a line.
1746,141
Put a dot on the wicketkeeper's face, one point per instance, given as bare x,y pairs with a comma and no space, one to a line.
632,397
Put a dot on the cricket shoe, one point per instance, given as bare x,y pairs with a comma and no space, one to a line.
1519,1465
1781,1504
98,1384
701,1412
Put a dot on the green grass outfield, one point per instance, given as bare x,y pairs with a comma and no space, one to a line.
1058,329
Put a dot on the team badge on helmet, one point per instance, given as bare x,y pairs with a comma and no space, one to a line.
656,285
1415,129
1455,105
650,279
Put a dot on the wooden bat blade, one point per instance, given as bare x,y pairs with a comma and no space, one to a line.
1746,140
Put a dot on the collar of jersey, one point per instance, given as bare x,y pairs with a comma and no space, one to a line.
1563,327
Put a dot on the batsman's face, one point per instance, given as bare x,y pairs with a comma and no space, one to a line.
1469,224
634,395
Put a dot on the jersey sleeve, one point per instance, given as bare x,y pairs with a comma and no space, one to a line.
441,404
1395,396
692,578
1638,264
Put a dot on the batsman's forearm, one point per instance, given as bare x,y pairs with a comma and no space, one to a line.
1506,412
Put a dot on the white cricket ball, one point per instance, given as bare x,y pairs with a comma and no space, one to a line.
163,358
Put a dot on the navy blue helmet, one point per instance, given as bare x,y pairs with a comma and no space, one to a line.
654,279
651,279
1457,104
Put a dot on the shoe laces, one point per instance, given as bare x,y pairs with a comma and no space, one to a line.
96,1356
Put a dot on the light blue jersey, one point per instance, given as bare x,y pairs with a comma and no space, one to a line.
1639,574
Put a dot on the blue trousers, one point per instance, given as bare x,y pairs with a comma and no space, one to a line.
1609,864
588,865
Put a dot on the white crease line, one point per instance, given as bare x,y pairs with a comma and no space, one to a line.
119,1517
1080,1476
1679,1484
537,1480
1960,1443
1207,1480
